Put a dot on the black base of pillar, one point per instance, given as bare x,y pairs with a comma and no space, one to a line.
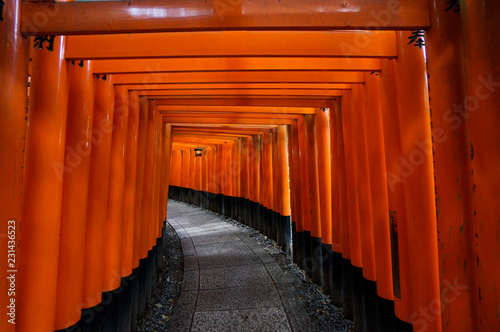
91,319
370,301
357,298
262,219
286,227
299,249
111,313
337,279
134,298
126,303
278,221
347,302
386,317
402,326
122,308
307,261
327,259
317,261
294,243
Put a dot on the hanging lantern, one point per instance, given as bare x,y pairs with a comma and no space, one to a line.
198,152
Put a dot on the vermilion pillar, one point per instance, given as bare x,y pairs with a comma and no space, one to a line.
378,186
314,199
192,175
338,208
452,164
353,289
269,188
297,226
246,180
154,220
113,228
416,157
403,305
325,192
363,182
304,238
129,194
102,126
276,220
480,19
285,212
43,172
13,82
348,124
75,194
346,262
148,186
165,177
139,190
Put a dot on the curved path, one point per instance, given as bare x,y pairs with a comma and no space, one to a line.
230,282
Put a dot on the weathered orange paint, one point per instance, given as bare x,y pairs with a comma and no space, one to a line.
13,81
403,305
415,127
157,16
452,167
481,72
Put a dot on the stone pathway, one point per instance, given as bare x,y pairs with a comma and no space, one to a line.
230,282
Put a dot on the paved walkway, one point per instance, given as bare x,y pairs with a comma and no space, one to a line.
230,282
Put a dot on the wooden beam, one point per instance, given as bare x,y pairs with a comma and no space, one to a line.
225,136
235,63
237,109
202,139
219,115
225,129
239,86
67,18
175,120
346,44
230,92
242,77
245,101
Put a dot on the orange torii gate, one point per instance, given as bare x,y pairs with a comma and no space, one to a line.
366,144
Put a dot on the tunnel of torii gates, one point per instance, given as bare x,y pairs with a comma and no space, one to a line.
362,136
